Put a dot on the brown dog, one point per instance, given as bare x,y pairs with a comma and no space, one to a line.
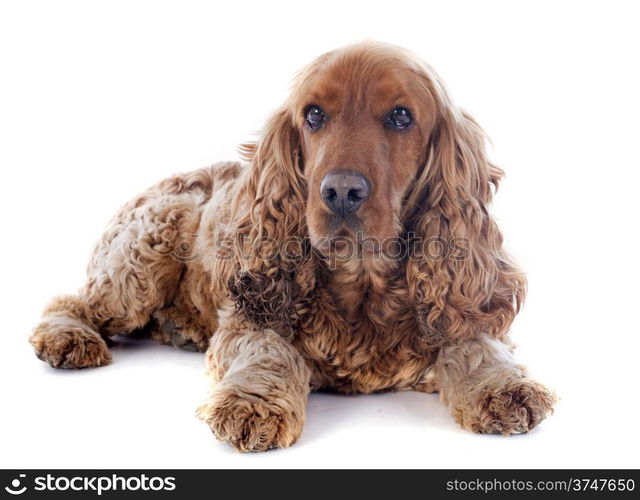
355,252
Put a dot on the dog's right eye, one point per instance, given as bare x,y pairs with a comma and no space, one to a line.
315,117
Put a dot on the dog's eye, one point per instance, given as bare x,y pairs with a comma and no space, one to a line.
399,119
315,117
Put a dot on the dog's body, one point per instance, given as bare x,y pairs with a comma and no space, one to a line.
233,260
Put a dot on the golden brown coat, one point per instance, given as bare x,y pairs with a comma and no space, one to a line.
249,264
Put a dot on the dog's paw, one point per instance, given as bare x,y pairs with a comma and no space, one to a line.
250,423
65,342
515,408
179,332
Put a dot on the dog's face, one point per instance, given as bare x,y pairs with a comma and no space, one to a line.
364,122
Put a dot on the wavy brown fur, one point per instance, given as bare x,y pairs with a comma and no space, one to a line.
197,261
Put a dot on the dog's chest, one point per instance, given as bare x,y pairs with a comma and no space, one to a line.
369,344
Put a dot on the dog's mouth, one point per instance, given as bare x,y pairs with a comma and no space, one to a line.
346,244
346,237
343,225
339,240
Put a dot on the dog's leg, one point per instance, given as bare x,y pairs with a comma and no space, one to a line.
74,328
133,272
487,391
260,389
185,324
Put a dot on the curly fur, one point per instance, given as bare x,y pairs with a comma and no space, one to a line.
231,260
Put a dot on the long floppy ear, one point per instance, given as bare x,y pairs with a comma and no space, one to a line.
472,287
273,272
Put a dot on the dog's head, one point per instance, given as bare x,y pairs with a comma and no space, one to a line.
363,117
370,143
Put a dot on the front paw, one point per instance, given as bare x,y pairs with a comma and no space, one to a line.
250,423
515,408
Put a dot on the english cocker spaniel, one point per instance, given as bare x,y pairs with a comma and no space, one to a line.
354,252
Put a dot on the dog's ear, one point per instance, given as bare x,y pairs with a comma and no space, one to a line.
275,272
472,286
275,181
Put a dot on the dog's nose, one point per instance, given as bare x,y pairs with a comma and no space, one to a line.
344,191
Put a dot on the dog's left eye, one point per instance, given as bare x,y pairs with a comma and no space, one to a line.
315,117
399,119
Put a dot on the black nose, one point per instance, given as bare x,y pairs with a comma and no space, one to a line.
344,191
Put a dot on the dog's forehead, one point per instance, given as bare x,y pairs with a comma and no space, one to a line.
359,82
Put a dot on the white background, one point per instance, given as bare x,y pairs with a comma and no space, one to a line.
98,100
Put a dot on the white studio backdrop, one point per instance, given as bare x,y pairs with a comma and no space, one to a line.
99,100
